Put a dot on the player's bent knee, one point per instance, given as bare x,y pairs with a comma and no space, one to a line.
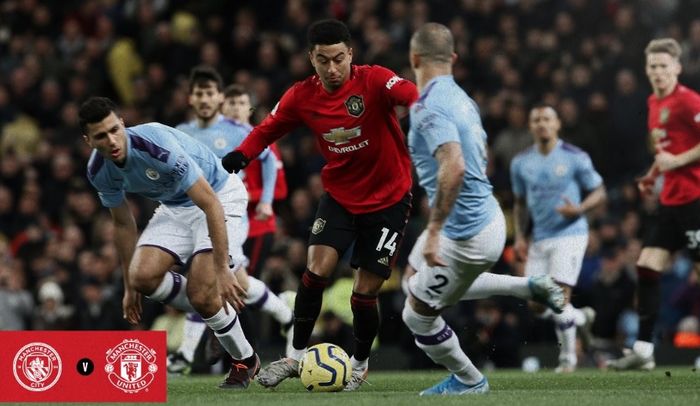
202,297
143,282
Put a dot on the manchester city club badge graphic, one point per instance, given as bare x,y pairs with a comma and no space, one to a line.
131,366
37,367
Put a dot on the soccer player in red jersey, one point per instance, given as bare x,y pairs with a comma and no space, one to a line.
367,179
674,125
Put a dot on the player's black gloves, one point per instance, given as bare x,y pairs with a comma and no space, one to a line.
234,161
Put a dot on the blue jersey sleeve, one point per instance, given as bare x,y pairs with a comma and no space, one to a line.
110,195
436,128
586,175
269,175
517,182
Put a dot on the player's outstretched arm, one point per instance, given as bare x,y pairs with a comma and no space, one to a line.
281,120
204,197
594,199
268,170
449,182
521,220
125,236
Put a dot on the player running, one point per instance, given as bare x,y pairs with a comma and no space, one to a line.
367,178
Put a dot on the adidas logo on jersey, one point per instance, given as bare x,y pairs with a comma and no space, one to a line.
384,261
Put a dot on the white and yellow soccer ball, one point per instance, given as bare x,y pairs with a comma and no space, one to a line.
325,368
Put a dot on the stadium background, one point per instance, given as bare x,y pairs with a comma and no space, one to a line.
59,269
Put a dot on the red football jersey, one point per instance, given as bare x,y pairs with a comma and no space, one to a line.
367,163
253,183
674,125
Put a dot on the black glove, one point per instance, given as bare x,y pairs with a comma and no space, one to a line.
234,161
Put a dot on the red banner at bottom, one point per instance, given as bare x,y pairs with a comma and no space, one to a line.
83,366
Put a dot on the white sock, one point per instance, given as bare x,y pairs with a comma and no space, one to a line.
260,297
643,348
296,354
364,364
438,341
173,291
193,330
227,329
565,327
490,284
578,316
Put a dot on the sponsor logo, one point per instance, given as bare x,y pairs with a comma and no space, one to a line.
220,143
392,81
349,148
384,261
131,366
355,105
37,367
560,170
340,135
152,174
664,115
318,226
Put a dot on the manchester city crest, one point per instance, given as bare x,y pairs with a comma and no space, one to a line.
37,367
355,105
152,174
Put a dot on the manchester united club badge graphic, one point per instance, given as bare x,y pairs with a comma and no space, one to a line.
131,366
37,367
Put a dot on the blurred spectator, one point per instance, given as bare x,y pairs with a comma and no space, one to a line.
497,338
172,321
52,313
612,295
16,301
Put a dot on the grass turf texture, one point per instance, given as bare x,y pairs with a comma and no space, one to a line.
585,387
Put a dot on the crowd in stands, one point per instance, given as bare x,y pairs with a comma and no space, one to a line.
59,268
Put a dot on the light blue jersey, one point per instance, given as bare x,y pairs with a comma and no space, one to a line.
162,164
225,135
444,113
544,180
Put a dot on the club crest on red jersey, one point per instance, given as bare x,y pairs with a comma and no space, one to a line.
355,105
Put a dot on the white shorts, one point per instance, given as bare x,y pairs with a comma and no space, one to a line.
440,287
183,231
558,257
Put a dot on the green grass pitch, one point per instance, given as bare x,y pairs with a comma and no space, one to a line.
664,386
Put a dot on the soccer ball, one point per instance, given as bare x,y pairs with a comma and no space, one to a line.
325,368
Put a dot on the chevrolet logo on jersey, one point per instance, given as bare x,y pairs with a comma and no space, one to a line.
340,136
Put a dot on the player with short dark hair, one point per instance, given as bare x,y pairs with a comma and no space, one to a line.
200,211
674,126
367,179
